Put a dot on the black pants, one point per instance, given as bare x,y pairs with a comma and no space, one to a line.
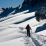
28,33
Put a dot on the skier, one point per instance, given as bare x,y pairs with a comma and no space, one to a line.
28,30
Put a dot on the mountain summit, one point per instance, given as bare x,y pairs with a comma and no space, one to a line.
33,2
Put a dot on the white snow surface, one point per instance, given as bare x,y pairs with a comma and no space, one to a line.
12,34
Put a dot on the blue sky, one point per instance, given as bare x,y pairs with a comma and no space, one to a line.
9,3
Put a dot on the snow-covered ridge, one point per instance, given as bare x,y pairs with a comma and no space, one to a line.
10,16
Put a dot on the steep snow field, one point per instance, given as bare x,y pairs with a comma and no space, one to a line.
13,32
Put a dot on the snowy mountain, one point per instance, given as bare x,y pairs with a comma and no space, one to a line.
12,27
13,32
31,5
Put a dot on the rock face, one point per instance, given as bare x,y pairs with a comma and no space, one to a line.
33,2
41,13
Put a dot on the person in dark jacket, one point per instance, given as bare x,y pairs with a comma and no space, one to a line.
28,30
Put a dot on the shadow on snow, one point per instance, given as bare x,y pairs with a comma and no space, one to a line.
41,28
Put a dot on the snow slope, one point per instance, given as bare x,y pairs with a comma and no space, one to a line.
13,32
